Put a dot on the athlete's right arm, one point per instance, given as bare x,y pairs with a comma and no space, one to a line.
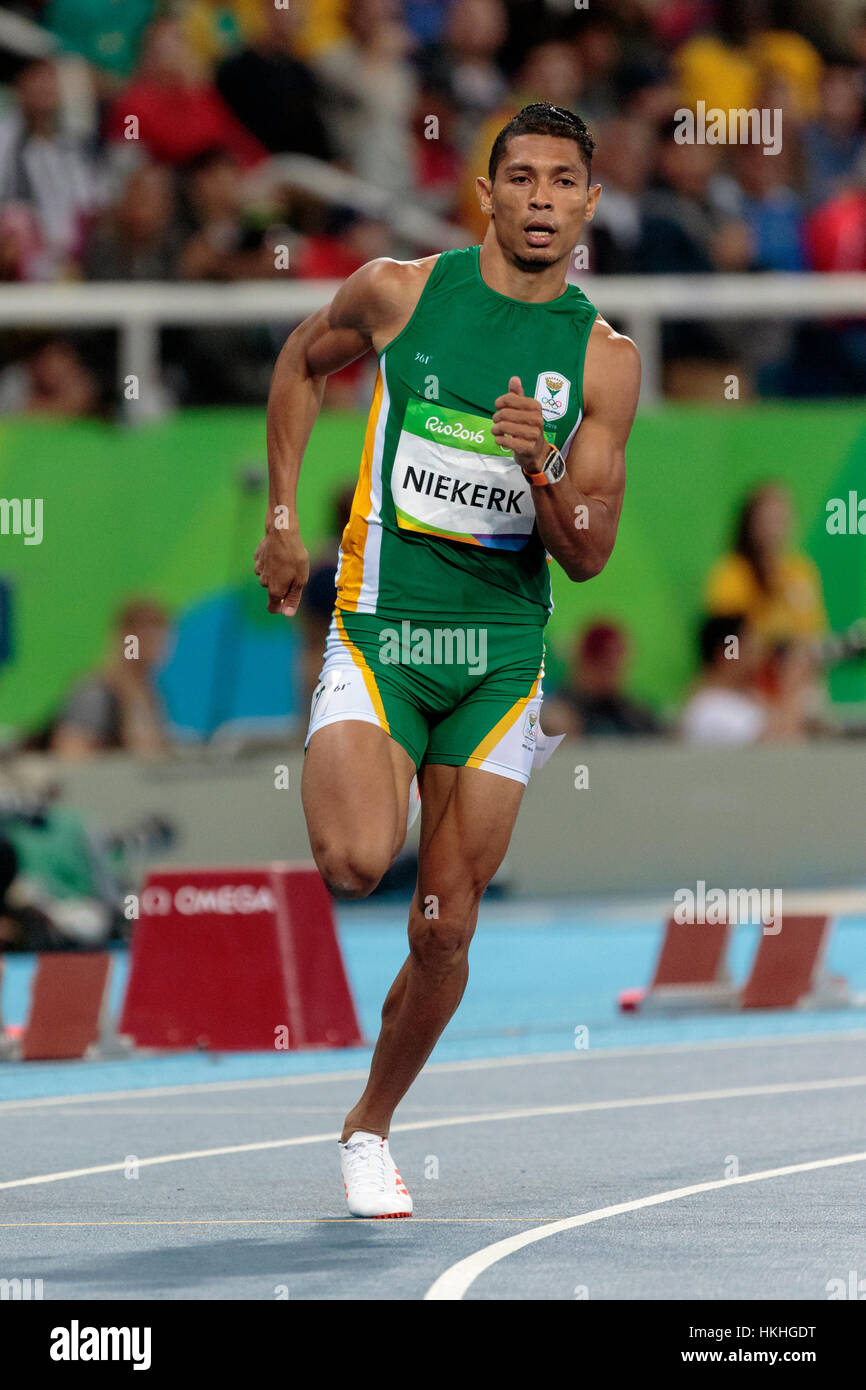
366,306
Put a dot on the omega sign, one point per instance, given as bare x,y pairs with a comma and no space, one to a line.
226,900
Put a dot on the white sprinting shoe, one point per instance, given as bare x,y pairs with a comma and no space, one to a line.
414,805
373,1185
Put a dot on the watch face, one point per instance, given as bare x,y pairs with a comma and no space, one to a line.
556,469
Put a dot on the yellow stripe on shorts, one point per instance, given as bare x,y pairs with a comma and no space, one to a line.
501,727
369,679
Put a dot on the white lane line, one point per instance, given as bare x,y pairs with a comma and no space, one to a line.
601,1054
481,1117
454,1282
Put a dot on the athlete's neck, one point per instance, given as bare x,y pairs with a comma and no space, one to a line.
503,276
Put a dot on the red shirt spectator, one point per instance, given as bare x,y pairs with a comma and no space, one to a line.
179,113
326,258
836,233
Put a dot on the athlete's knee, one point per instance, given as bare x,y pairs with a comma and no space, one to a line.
440,929
439,946
350,871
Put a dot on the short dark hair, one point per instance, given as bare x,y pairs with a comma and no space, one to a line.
543,119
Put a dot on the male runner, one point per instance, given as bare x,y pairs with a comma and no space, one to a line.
497,435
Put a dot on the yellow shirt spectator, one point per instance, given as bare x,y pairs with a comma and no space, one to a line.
793,59
729,77
794,608
217,27
323,26
712,71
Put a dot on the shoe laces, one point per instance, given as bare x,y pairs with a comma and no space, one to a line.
365,1164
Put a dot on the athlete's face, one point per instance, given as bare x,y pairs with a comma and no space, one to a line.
539,200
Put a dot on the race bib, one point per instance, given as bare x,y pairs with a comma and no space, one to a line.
450,478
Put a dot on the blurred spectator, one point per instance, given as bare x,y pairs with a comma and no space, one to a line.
58,882
727,706
274,94
771,209
104,32
830,356
20,241
833,145
138,240
426,19
674,21
437,160
594,703
764,577
216,28
725,68
691,214
23,927
598,51
51,380
622,165
324,24
347,242
47,173
691,225
716,67
550,72
372,87
648,89
119,707
836,233
464,66
357,81
855,37
225,243
791,60
179,112
553,72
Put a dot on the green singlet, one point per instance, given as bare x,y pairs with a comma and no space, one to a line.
442,532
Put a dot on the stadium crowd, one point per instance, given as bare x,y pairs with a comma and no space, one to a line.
142,141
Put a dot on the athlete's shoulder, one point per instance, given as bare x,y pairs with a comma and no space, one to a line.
387,274
399,278
604,338
612,367
379,292
613,351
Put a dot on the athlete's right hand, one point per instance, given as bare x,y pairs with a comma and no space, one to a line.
283,567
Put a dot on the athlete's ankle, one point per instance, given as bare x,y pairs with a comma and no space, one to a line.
355,1122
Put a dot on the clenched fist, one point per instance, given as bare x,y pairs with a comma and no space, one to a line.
283,567
518,425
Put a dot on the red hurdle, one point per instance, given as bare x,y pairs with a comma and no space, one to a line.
238,959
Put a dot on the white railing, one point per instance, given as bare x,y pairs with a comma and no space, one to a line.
639,304
408,219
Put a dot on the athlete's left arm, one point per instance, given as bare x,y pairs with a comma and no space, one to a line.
578,516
